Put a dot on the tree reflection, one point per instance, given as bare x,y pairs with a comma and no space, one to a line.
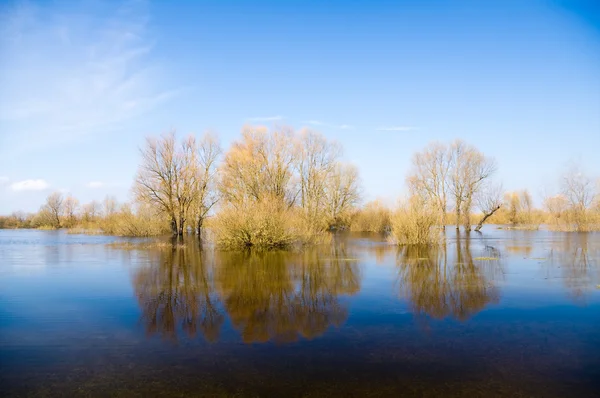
441,282
175,291
577,256
283,296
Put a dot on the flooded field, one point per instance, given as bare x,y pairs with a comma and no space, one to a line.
501,313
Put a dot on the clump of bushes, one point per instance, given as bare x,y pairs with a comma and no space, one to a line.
268,224
142,222
414,222
374,217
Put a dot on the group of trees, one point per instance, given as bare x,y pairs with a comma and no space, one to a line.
457,179
178,179
451,176
280,186
274,188
60,211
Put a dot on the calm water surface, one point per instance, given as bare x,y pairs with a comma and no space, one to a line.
503,313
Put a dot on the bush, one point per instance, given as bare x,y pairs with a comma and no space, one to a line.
268,224
414,223
374,217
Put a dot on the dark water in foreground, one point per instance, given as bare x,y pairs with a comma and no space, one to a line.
504,313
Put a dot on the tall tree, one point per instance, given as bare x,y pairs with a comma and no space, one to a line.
70,209
54,209
429,176
469,171
342,193
259,167
207,152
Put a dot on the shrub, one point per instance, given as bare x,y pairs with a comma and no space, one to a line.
268,224
414,223
374,217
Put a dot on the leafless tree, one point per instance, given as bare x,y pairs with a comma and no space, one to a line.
178,179
90,211
577,187
316,160
157,176
54,208
429,176
469,171
259,167
489,201
207,151
342,192
109,206
70,209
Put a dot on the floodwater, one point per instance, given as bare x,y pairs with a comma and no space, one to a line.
502,313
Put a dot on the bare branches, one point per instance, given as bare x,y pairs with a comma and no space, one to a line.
489,201
178,179
457,170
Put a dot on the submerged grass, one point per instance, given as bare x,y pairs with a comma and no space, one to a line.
146,245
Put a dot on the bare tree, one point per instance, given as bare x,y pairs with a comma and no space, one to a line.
342,192
109,206
489,201
258,167
577,187
429,176
316,160
54,208
207,151
70,209
469,171
90,211
157,176
519,205
178,179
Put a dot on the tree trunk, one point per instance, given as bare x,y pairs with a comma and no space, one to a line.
457,216
199,227
181,226
174,226
486,216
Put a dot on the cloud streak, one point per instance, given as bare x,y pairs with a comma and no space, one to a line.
29,185
396,128
95,184
73,71
265,118
333,126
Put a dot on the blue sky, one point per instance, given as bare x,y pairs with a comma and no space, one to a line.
82,83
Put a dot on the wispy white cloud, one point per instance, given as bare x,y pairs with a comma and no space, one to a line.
333,126
95,184
396,128
265,118
4,180
29,185
72,71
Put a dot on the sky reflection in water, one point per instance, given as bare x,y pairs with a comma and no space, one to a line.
499,313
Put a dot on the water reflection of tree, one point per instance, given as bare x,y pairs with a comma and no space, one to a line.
441,282
577,256
282,296
175,291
